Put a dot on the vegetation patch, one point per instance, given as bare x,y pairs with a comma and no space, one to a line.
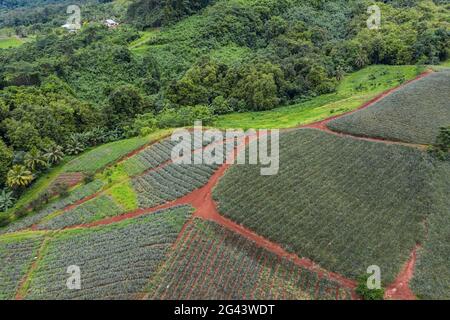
354,90
35,217
104,155
211,262
90,211
346,204
6,43
124,195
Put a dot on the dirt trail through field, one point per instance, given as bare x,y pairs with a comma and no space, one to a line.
22,288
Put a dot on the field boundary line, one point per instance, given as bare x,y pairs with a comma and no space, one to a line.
24,284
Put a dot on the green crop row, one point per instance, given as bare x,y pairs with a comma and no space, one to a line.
170,182
115,261
211,262
432,273
16,256
75,196
90,211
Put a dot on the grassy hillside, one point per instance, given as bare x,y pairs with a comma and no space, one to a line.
6,43
356,89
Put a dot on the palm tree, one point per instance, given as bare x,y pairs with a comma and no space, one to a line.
74,146
361,60
6,200
35,160
54,154
340,73
19,176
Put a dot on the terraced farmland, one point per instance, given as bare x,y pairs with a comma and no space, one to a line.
343,203
432,275
170,182
90,211
116,261
75,196
413,114
16,256
211,262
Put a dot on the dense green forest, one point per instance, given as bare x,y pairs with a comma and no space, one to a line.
28,17
64,92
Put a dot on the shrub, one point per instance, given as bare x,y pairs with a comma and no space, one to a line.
366,293
143,125
21,212
36,204
4,220
89,177
62,189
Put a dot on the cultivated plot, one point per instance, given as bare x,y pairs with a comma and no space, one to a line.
413,114
343,203
115,261
211,262
432,274
170,182
90,211
33,218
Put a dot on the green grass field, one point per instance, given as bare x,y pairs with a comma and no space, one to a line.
356,89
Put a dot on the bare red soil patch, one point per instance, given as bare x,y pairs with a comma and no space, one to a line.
69,179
